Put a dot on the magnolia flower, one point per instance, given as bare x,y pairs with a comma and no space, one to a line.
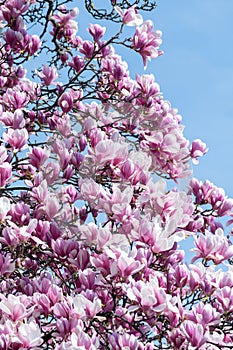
4,207
48,75
130,17
147,42
214,247
198,149
17,139
29,335
5,173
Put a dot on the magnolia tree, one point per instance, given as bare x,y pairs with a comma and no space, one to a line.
92,219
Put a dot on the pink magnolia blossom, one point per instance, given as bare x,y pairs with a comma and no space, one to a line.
96,218
148,294
63,20
130,16
107,150
14,120
87,49
79,340
147,42
96,31
51,172
214,247
29,335
16,99
48,75
7,266
66,102
195,333
85,308
224,299
13,9
13,307
77,63
17,139
5,206
204,314
38,156
198,149
33,45
5,173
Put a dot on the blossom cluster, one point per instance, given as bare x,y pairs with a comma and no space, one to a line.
92,221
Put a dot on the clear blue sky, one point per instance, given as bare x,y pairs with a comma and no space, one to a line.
196,75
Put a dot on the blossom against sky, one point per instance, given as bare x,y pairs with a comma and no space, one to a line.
196,75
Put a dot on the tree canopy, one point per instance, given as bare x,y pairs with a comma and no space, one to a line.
92,220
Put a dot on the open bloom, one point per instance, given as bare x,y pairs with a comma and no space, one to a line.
147,42
4,207
130,16
148,294
30,335
48,75
17,139
214,247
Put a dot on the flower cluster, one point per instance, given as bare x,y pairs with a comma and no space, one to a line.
91,219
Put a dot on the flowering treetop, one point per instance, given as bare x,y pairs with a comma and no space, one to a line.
90,255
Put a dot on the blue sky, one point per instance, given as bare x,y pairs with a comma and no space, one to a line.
196,75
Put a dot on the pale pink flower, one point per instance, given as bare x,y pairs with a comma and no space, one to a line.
92,234
79,340
108,150
224,299
51,172
198,149
149,295
130,16
40,192
66,102
17,139
13,307
14,8
16,98
29,335
90,190
77,63
96,31
195,333
85,308
14,120
38,156
51,206
127,265
4,207
5,173
204,314
147,42
7,266
214,247
126,341
48,75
